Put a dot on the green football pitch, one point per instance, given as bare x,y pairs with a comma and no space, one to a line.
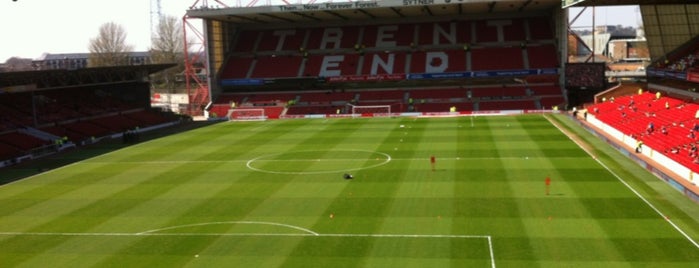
273,194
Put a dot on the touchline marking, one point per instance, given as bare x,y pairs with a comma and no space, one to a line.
628,186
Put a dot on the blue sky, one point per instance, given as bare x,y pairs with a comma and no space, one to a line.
32,27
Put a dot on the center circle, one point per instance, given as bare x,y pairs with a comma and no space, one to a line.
318,161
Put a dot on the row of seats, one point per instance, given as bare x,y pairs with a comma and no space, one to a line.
436,47
33,121
14,143
85,129
675,128
689,61
392,62
396,35
46,107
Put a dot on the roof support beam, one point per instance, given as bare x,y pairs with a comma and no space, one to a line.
397,11
246,18
525,4
427,10
303,15
276,17
366,13
336,14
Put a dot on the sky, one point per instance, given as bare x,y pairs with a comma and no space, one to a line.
613,15
30,28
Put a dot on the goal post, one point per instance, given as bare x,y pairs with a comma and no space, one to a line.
370,110
246,114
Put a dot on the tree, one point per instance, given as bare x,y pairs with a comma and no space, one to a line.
168,47
17,64
109,48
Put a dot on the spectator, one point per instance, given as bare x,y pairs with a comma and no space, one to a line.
639,146
693,150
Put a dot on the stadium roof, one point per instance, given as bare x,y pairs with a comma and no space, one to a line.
633,2
367,10
51,79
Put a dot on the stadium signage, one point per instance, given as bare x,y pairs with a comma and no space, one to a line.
242,82
417,2
668,74
693,76
328,6
366,78
482,74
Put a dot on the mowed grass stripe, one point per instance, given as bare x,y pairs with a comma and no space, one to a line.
478,182
259,207
227,202
656,246
347,204
683,212
136,193
499,130
409,210
478,189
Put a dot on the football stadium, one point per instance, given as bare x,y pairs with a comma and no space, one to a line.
411,133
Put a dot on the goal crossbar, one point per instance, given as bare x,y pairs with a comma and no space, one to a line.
373,110
244,114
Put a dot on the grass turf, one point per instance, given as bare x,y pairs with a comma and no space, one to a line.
270,194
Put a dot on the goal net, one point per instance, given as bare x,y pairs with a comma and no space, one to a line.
246,115
370,110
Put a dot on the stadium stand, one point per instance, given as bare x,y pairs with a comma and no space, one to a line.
368,51
674,130
72,108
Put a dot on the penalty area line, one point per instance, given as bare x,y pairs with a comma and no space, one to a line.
488,238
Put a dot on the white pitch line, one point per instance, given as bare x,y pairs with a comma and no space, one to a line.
487,237
386,159
628,186
232,223
177,162
492,254
153,233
